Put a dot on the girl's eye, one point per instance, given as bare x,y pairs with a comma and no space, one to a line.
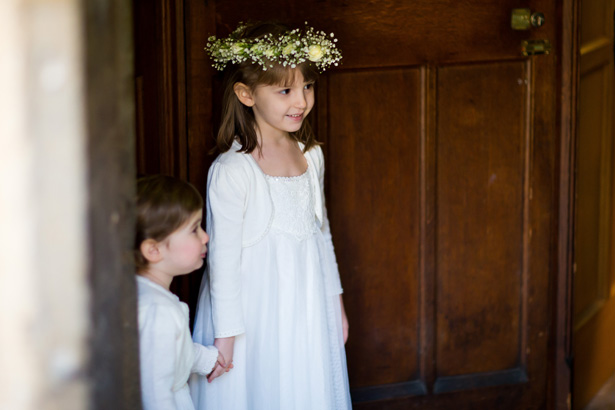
309,86
284,92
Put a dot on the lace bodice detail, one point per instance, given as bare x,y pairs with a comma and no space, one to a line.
293,205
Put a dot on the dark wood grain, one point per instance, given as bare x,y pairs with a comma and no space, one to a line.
199,23
374,212
481,231
560,364
161,94
396,33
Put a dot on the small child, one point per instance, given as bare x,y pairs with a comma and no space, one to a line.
169,242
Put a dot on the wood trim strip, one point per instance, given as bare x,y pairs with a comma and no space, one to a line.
528,140
562,332
140,131
179,56
167,144
173,140
427,224
388,391
480,380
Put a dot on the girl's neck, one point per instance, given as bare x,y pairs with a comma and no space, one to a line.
280,157
274,139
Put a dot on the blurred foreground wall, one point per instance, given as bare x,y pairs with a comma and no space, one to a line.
43,250
67,304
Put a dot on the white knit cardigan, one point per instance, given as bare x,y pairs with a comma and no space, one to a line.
239,214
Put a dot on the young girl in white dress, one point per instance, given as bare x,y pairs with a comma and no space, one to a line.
169,242
271,296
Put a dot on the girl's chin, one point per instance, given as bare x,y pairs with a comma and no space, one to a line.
293,128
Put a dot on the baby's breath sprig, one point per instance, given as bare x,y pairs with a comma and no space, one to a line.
290,49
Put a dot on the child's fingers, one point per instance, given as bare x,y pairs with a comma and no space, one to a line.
214,369
217,372
219,369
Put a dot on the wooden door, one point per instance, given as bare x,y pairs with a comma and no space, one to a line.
440,143
594,280
440,153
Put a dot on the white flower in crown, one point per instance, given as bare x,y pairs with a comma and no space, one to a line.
238,48
255,48
315,52
290,49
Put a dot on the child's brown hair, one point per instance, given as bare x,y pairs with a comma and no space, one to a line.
164,204
238,120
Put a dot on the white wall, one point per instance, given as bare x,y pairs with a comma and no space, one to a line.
44,296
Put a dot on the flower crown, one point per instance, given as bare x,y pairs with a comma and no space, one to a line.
289,49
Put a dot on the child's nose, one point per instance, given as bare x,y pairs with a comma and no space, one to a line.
301,101
205,238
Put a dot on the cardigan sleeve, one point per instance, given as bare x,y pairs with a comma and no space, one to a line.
226,198
334,284
205,358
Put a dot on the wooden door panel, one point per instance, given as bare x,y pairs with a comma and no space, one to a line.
373,196
480,234
594,236
592,230
480,173
397,33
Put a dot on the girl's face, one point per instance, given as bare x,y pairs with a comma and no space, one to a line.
282,109
183,251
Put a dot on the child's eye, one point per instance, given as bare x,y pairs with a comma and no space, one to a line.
309,86
284,92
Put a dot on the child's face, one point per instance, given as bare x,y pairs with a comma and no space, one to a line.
183,251
283,109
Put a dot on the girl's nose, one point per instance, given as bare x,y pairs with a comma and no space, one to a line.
301,101
205,238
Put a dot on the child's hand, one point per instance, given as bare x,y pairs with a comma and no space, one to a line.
225,347
219,369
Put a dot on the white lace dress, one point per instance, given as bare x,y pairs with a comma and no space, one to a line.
291,356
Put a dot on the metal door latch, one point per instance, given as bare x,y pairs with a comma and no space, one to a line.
535,47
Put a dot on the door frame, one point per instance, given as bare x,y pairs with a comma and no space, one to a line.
565,198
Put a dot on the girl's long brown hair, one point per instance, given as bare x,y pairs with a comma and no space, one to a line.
238,121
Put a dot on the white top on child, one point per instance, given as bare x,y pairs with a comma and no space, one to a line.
168,355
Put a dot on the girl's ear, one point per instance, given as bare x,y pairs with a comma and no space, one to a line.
149,250
244,94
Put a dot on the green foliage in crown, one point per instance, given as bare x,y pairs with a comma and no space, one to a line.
289,49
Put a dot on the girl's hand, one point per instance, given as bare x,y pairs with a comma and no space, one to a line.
344,320
225,351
